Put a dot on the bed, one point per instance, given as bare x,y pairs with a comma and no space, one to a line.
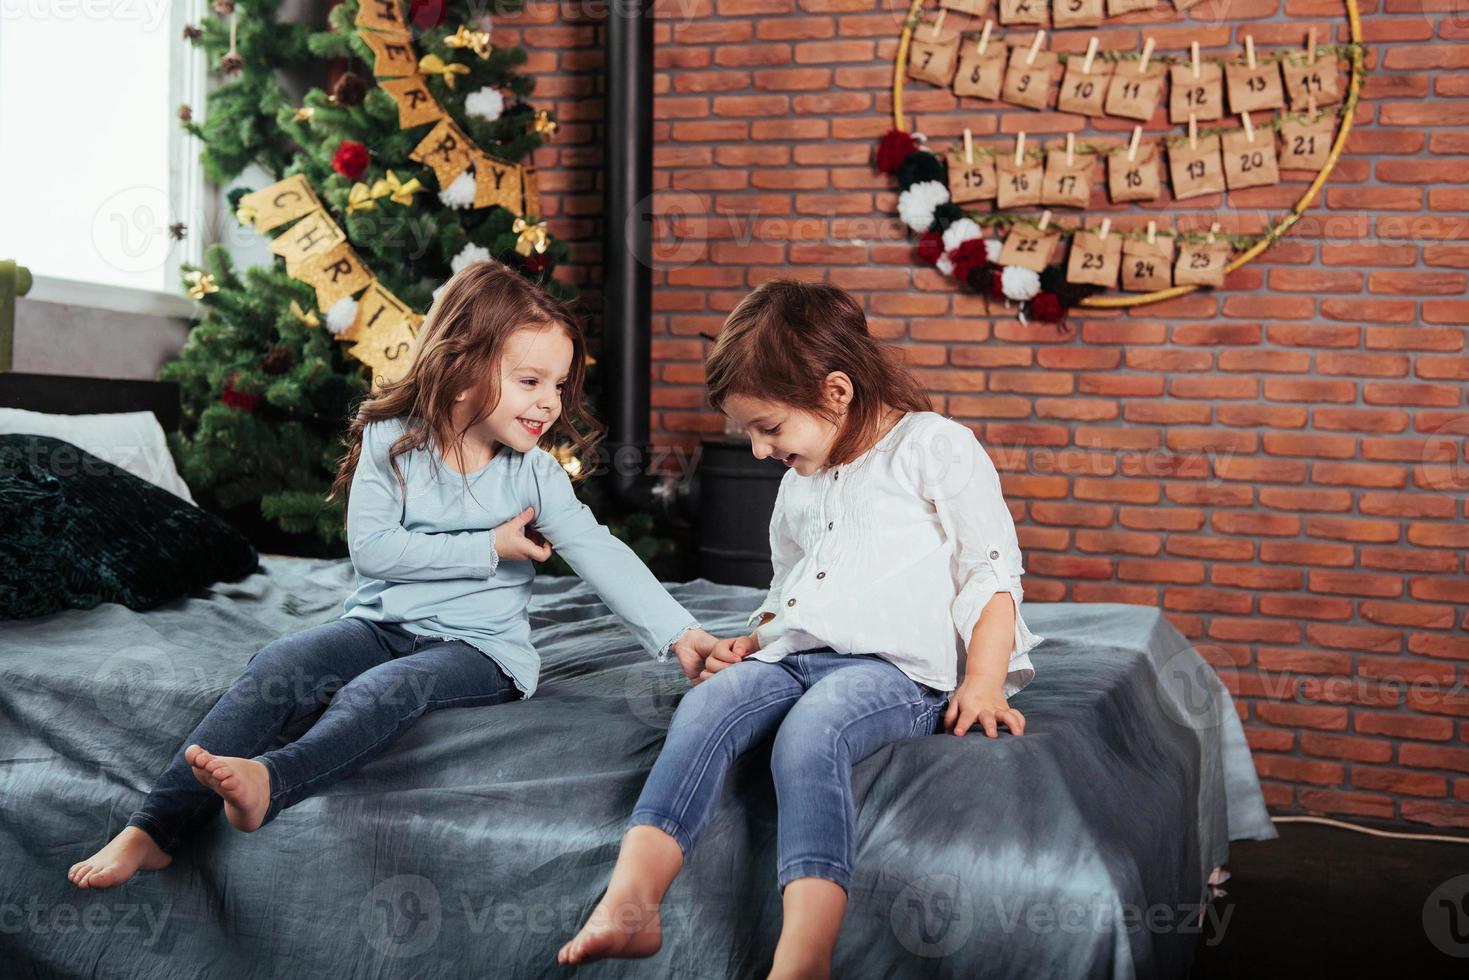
480,841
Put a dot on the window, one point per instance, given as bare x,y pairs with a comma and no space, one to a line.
94,166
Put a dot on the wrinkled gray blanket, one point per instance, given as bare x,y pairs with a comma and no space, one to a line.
480,841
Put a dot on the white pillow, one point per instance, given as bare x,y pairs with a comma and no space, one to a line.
132,441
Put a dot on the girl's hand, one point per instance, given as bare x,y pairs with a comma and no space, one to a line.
691,649
728,652
971,704
513,541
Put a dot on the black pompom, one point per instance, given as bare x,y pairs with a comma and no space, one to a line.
945,215
919,166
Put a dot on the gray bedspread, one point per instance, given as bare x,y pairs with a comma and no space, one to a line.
479,842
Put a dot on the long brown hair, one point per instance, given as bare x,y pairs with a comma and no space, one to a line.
782,341
458,348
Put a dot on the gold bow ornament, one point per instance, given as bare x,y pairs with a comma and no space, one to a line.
476,41
395,190
360,198
432,64
544,124
533,237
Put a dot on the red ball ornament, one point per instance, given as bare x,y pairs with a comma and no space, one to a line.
244,400
930,247
426,14
969,257
1048,308
350,160
537,262
894,148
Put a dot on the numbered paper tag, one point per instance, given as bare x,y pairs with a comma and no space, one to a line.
1094,259
1147,266
1116,8
1084,93
1319,81
974,8
1020,185
1253,89
1134,94
1022,12
980,75
1202,95
971,181
1305,143
933,59
1197,170
1247,163
1202,264
1068,185
1136,179
1076,13
1182,5
1029,248
1029,85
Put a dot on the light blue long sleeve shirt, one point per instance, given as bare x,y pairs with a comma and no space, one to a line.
425,553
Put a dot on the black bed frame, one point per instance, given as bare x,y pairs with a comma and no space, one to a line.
60,394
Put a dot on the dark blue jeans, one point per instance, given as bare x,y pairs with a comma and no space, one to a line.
315,705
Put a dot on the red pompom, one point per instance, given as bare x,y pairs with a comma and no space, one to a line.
238,399
1048,308
536,262
895,146
997,282
930,246
426,14
350,160
969,257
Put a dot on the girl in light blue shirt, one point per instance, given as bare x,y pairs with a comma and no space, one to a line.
450,499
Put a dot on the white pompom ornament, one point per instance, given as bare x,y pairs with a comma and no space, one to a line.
342,315
945,265
916,204
469,255
459,194
992,249
487,104
961,231
1019,284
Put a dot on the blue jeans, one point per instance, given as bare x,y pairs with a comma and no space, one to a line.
314,706
827,712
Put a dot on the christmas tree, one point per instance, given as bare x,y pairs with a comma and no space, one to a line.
412,161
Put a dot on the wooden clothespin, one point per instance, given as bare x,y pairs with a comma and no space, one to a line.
1142,63
1193,131
1213,230
1035,46
1194,57
968,146
1311,46
938,24
1250,51
1106,229
1137,135
984,36
1152,232
1019,147
1310,107
1091,54
1045,219
1070,149
1249,127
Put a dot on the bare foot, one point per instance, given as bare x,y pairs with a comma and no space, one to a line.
621,927
129,852
243,784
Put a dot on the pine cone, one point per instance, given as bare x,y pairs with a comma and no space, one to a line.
224,7
192,33
186,113
277,360
231,63
349,90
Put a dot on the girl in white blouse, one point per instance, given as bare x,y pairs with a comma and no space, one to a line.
894,612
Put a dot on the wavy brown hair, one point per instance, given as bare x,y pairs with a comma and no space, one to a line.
782,341
458,348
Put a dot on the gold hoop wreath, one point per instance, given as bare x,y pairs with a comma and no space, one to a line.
1266,239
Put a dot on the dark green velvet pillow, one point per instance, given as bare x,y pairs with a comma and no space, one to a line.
76,531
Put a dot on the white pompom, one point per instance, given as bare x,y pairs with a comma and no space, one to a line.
992,249
342,315
469,255
961,231
916,204
944,265
459,194
1019,284
487,103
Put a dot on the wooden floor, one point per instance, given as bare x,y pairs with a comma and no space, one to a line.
1322,901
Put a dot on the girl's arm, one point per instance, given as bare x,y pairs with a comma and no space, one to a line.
609,566
382,548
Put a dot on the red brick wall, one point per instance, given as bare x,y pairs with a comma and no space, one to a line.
1279,466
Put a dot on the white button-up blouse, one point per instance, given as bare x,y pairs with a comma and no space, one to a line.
896,554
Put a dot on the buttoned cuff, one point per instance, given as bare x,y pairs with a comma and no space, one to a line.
666,651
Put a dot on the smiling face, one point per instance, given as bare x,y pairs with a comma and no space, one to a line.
533,369
800,439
